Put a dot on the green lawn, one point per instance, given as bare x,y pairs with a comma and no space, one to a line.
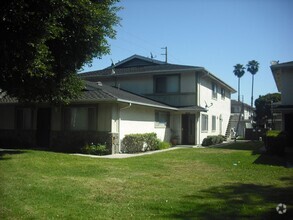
228,182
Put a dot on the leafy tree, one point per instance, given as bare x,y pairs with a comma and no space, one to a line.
263,109
239,71
44,43
252,67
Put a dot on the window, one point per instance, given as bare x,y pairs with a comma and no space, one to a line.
162,119
214,123
80,118
204,123
214,91
223,93
24,119
167,84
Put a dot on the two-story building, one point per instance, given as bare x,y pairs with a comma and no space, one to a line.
201,99
137,95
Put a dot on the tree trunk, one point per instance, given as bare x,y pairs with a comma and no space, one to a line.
238,89
252,90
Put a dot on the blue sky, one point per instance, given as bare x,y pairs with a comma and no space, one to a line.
215,34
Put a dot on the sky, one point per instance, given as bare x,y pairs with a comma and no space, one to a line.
214,34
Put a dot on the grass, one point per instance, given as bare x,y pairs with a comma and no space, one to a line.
229,182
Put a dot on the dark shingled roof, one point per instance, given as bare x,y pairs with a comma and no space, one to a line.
137,70
100,92
97,92
150,66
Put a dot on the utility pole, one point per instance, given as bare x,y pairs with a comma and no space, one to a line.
165,54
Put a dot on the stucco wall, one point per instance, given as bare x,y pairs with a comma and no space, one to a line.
138,120
218,107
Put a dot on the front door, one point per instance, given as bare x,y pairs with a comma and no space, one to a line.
43,127
188,129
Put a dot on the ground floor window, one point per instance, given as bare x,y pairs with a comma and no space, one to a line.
162,119
204,123
80,118
214,123
24,118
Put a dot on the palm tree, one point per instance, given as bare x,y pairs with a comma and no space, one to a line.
239,71
252,67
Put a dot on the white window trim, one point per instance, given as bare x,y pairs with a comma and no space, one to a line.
207,124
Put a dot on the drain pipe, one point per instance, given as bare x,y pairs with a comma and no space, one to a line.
119,126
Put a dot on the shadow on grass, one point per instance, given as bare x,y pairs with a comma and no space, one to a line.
4,152
253,146
256,149
238,201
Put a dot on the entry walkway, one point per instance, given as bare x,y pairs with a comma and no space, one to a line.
121,156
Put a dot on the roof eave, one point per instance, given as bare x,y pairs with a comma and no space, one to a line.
147,104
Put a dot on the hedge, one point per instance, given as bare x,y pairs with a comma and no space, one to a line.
275,142
212,140
134,143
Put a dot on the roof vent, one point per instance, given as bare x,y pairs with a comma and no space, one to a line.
100,83
274,62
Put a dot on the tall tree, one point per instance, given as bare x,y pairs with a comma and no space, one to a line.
263,109
252,67
44,43
239,71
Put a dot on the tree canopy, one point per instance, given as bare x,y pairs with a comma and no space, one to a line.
239,71
252,67
263,107
44,44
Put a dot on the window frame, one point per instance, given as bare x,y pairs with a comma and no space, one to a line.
214,123
204,123
91,120
214,90
223,93
20,114
158,117
165,77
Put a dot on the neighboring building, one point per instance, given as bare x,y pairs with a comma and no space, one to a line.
283,75
241,117
202,100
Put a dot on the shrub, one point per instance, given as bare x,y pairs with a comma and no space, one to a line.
212,140
163,145
98,149
275,142
134,143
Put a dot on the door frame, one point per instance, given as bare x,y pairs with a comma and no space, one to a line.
188,129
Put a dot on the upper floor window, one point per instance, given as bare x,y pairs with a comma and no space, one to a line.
167,84
214,90
223,93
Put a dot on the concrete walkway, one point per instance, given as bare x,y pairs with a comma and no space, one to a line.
121,156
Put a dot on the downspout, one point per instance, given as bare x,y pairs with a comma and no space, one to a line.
119,131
